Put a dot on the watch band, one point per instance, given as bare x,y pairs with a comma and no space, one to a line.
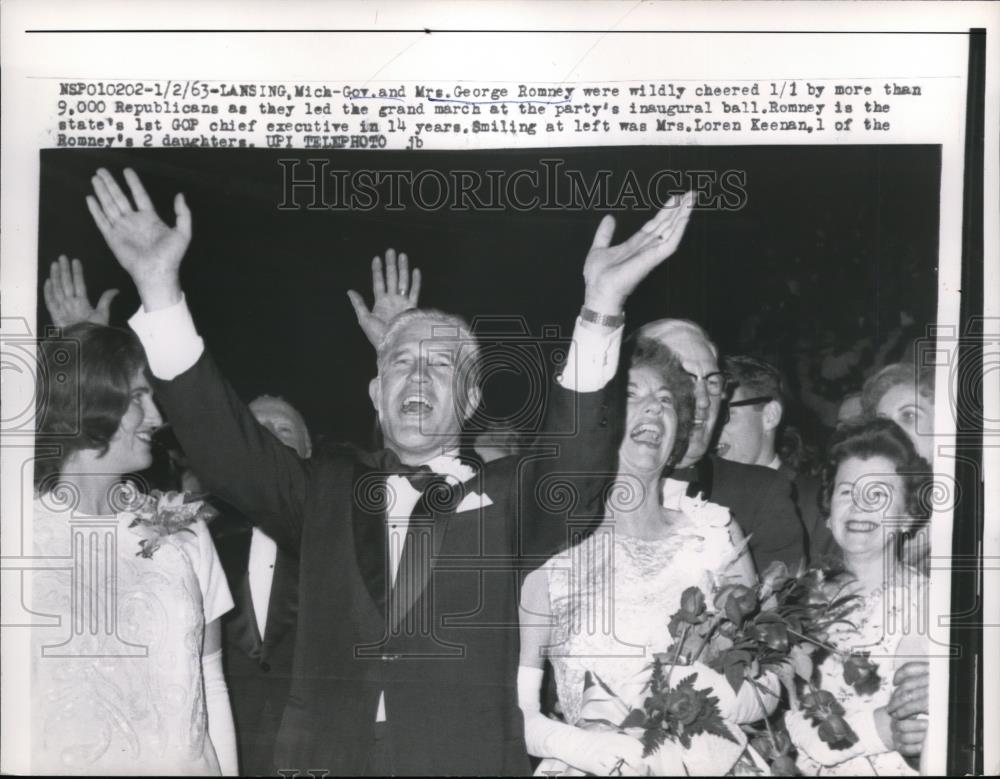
597,318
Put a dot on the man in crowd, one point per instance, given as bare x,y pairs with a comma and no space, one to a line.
760,499
750,435
407,643
259,633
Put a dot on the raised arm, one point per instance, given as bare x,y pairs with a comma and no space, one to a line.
612,273
237,458
144,245
582,421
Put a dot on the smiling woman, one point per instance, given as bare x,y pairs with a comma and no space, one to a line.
97,401
873,482
653,544
137,610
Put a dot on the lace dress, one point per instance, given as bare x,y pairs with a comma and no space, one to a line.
116,670
884,618
610,599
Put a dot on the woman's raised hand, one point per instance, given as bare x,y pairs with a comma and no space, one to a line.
612,273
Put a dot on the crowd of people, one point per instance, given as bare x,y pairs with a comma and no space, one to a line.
394,611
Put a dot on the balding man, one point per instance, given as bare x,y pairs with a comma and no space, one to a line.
407,643
759,498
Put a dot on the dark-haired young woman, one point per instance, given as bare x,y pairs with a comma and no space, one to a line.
127,671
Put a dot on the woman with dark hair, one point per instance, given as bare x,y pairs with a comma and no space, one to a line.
874,486
624,581
905,395
127,677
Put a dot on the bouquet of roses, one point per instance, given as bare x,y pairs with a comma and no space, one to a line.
161,514
777,626
743,633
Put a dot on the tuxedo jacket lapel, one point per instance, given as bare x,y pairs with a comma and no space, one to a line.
232,540
246,632
282,607
368,520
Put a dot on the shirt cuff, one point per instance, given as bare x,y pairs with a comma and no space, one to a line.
592,359
866,729
170,339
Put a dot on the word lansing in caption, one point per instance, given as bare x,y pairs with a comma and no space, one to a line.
326,116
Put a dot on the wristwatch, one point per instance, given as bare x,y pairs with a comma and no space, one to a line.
597,318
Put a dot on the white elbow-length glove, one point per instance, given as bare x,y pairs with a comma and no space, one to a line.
221,729
592,751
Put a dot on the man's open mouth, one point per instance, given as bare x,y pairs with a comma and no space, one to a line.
415,404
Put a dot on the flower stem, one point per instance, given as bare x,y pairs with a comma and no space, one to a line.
763,708
812,640
677,654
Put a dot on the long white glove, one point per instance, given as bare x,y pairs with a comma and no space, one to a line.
221,729
591,751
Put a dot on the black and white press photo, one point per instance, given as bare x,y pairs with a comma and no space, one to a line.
618,407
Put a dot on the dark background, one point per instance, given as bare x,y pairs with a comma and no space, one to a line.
830,246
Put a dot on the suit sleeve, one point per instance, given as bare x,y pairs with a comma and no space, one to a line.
234,456
777,531
559,490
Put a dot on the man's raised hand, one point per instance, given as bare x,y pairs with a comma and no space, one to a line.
143,244
395,291
613,272
65,293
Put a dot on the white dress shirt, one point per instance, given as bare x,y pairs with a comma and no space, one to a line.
260,572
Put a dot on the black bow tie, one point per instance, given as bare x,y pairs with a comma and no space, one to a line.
684,474
437,492
698,476
422,477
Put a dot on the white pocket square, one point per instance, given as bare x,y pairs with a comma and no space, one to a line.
474,500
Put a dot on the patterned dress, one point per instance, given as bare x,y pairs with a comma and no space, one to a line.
116,648
611,597
885,617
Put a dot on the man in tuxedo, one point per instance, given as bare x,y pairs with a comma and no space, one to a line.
259,633
753,421
410,560
759,498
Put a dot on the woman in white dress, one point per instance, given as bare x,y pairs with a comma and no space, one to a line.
126,665
872,488
603,606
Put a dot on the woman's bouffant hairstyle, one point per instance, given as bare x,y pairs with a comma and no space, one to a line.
647,352
84,383
894,375
878,437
